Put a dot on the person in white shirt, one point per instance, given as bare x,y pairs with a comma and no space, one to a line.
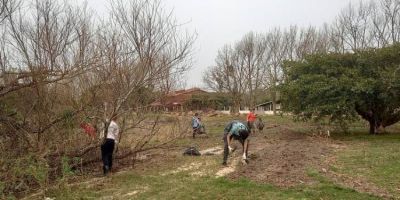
107,148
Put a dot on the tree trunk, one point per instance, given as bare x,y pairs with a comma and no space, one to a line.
372,127
370,116
273,97
236,106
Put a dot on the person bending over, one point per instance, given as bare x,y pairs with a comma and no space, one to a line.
238,131
196,124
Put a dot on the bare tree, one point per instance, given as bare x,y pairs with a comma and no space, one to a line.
337,39
278,48
241,71
250,51
373,24
255,64
7,7
391,10
59,68
144,48
43,48
291,37
155,38
357,27
355,24
379,26
228,76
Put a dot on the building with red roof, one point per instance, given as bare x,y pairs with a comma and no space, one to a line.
175,101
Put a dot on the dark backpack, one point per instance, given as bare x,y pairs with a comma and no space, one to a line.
191,151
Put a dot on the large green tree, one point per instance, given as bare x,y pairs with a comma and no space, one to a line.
344,86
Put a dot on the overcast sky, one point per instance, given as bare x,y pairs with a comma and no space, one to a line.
219,22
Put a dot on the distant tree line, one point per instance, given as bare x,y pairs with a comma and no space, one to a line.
255,64
215,101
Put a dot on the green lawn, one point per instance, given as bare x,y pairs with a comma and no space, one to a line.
374,158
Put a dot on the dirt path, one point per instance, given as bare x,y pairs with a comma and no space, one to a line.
228,169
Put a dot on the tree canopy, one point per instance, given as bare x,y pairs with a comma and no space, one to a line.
344,86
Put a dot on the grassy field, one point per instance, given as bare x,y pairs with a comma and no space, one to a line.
364,159
373,158
183,185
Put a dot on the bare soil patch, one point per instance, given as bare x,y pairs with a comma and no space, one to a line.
283,158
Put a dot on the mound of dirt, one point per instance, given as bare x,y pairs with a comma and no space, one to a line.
284,159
